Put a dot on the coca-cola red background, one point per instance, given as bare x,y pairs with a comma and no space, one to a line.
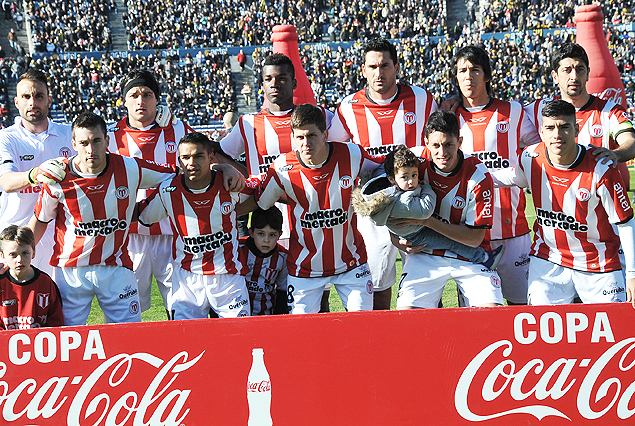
495,366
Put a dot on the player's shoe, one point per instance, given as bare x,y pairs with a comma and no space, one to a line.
493,257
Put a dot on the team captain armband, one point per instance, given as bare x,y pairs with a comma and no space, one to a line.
625,126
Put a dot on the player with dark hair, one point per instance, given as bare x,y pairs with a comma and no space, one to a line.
494,131
580,204
265,263
30,152
325,246
280,60
28,296
379,117
93,207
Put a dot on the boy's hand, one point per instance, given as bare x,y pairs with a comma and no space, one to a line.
409,248
406,222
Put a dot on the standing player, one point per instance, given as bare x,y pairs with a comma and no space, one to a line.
93,208
203,216
494,131
378,118
464,212
325,246
577,200
602,123
153,137
33,140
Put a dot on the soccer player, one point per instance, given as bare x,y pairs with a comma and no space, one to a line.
93,208
203,214
494,131
34,140
602,123
464,212
577,201
325,246
265,263
378,118
29,297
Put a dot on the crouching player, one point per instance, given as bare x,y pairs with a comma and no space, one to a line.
28,297
577,201
265,263
203,216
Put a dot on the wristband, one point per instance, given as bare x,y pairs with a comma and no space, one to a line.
29,177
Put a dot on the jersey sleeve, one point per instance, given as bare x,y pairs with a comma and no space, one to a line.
613,195
479,212
370,163
153,174
271,189
233,144
338,131
7,156
46,206
528,133
152,210
619,122
281,279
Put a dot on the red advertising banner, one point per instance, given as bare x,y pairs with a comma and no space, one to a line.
494,366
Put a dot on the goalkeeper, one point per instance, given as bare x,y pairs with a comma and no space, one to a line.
29,155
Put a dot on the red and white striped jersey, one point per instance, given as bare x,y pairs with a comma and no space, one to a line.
492,134
262,137
465,197
378,128
264,274
158,145
204,223
324,238
600,121
575,209
92,215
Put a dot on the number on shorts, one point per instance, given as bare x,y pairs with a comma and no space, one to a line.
401,280
290,289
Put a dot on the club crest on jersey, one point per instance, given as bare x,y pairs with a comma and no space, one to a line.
226,207
369,287
597,131
496,281
65,152
346,182
122,192
458,202
502,126
170,147
43,299
410,117
583,194
134,307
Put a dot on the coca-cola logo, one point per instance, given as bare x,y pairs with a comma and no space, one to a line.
494,385
262,386
159,403
611,94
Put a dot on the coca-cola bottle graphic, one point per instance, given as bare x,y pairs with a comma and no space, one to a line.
259,391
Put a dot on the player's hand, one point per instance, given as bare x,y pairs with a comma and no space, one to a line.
405,222
451,103
630,291
605,155
164,116
233,180
409,248
49,172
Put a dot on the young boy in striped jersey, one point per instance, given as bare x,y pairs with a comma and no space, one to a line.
265,263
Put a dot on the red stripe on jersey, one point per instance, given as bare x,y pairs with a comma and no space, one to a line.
260,143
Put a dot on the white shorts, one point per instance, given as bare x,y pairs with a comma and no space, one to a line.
193,295
44,251
382,254
514,267
552,284
114,286
151,255
354,287
424,276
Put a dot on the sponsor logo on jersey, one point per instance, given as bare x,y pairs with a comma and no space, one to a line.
201,202
96,188
439,184
27,157
583,194
267,160
410,118
43,299
615,290
384,113
145,139
492,159
169,189
477,120
320,178
502,126
9,302
226,207
324,219
346,182
283,123
487,203
122,192
532,154
100,227
597,131
364,273
380,150
65,152
285,168
622,197
205,243
31,189
559,181
458,202
238,304
559,220
114,129
128,292
523,260
134,306
170,147
352,101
